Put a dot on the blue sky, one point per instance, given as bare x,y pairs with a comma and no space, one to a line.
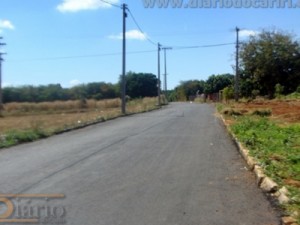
40,33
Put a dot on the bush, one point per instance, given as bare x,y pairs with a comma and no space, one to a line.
262,112
255,93
279,89
228,93
231,112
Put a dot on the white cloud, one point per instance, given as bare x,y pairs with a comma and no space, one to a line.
131,34
248,33
6,24
74,82
78,5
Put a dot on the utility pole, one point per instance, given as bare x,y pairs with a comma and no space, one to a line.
124,7
237,75
165,77
158,75
1,59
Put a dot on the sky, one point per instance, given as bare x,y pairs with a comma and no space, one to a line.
71,42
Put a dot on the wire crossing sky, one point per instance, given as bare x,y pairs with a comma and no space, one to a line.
79,41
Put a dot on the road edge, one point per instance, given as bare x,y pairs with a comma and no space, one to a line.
265,183
84,125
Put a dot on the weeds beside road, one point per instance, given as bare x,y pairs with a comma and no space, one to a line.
271,132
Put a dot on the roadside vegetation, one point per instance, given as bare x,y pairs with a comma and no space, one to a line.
271,132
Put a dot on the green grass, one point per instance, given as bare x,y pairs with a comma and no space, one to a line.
15,137
220,107
294,95
262,112
276,148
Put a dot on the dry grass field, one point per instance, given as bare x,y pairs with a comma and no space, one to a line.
47,118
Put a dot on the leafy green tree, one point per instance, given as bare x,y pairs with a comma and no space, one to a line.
140,85
51,92
93,90
189,88
216,83
54,92
228,93
271,58
107,90
279,89
247,85
172,96
100,90
78,92
11,94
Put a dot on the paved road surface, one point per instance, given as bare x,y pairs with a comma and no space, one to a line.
175,166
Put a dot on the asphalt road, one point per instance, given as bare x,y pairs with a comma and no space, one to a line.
175,166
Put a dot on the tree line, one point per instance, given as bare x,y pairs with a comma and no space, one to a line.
55,92
138,85
213,84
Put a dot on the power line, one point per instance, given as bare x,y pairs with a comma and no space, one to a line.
185,33
151,41
139,27
112,54
112,4
201,46
80,56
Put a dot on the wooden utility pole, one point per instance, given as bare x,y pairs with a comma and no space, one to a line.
124,7
237,75
158,74
1,59
166,74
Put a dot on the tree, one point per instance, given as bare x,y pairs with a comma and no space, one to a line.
54,92
93,90
140,85
248,86
216,83
189,88
11,94
51,92
107,90
228,93
29,93
100,90
78,92
271,58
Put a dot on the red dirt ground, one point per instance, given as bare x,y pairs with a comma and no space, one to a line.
282,110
